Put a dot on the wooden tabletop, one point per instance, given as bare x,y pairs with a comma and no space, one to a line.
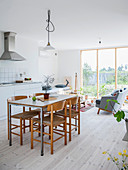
37,103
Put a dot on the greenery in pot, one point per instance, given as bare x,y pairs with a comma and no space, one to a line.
81,91
119,114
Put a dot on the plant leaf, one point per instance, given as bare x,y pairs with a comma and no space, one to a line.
119,115
108,100
106,106
118,119
115,101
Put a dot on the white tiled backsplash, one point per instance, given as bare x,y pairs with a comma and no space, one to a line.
8,75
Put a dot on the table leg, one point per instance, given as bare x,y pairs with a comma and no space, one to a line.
41,115
10,136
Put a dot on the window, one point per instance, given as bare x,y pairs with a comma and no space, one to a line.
89,72
104,70
122,68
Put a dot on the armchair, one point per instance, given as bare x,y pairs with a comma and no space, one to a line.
118,95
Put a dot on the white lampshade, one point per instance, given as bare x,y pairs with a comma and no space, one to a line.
48,47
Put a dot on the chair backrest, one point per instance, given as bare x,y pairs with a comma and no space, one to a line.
13,98
73,101
120,98
39,94
56,106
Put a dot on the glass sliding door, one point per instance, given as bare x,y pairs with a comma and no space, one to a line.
122,68
107,73
89,66
106,67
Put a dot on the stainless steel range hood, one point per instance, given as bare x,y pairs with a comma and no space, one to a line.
9,48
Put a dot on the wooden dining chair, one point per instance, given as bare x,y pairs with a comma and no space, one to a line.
73,106
52,121
38,94
25,115
44,109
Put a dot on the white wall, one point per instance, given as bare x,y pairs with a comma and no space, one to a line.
68,65
48,65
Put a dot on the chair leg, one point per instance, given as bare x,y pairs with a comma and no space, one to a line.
65,130
39,125
21,140
31,133
98,111
24,125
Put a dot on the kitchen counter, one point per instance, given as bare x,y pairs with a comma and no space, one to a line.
56,90
15,84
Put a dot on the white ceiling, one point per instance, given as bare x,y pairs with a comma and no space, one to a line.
78,23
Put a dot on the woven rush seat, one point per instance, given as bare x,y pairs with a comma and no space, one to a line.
26,115
73,113
57,120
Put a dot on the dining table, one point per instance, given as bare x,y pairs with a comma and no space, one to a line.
28,102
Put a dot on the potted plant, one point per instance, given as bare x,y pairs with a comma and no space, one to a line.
120,114
82,93
48,80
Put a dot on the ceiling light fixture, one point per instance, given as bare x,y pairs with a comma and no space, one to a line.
49,47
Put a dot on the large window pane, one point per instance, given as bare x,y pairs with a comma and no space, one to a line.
106,71
122,68
89,73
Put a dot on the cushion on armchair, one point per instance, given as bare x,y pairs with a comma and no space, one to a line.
115,92
98,101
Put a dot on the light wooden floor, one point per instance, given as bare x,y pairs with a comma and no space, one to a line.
98,133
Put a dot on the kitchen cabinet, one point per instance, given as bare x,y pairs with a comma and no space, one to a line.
5,93
21,90
15,90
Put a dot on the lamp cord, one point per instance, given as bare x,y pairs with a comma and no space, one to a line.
49,22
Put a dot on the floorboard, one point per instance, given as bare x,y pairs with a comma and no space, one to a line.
98,133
